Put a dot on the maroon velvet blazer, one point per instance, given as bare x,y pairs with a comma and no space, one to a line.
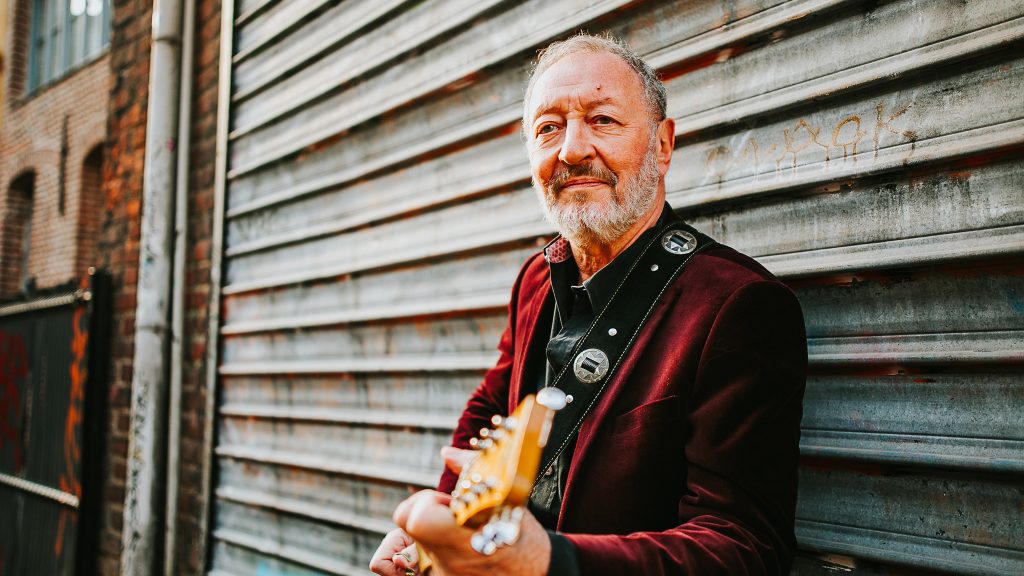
688,462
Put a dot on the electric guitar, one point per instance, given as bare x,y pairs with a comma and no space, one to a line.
493,489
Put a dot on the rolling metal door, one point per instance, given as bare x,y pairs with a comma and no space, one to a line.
378,207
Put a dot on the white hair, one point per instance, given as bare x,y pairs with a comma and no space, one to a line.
654,90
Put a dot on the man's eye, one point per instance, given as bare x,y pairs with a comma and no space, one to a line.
602,120
546,129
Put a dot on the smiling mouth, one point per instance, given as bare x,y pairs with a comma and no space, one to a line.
579,183
581,176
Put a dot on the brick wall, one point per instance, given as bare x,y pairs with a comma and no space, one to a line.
17,217
123,179
4,53
100,223
93,211
205,61
119,245
31,140
15,49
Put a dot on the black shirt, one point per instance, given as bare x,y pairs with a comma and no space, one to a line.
574,310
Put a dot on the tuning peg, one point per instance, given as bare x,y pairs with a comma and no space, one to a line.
511,423
496,420
501,530
505,533
484,432
482,545
474,442
486,444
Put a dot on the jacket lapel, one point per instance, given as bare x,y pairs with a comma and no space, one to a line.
532,297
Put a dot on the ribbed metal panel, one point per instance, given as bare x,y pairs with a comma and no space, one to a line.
379,206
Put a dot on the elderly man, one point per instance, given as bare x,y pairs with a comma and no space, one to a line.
682,360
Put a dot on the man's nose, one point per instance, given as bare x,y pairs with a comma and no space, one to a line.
576,145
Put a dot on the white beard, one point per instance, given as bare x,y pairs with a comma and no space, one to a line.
588,222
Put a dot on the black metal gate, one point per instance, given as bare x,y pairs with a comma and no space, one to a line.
52,371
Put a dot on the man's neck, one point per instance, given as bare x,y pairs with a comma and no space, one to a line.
592,256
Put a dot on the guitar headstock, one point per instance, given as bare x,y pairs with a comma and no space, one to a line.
503,472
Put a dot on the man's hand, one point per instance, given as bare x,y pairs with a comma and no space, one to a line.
397,553
395,556
425,517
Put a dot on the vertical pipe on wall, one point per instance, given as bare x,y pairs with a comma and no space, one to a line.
227,35
178,288
144,496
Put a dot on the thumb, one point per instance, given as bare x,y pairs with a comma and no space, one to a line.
456,458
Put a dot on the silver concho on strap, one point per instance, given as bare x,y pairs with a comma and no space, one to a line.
590,365
678,242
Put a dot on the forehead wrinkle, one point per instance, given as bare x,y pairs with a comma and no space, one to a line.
576,99
596,71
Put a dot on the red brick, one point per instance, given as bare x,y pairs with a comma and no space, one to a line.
116,522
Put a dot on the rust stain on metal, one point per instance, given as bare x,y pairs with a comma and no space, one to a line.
463,82
989,157
703,61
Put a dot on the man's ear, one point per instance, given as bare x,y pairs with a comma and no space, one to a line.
666,143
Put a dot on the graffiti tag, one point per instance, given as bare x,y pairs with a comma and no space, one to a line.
842,141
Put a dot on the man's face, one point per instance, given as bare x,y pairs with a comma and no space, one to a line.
597,155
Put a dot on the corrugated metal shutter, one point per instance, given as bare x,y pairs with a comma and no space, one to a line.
379,206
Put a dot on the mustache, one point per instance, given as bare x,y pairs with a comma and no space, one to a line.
565,172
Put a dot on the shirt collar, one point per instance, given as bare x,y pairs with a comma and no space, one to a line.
600,287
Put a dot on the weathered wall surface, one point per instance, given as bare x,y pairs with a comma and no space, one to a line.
119,238
194,476
379,206
130,54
